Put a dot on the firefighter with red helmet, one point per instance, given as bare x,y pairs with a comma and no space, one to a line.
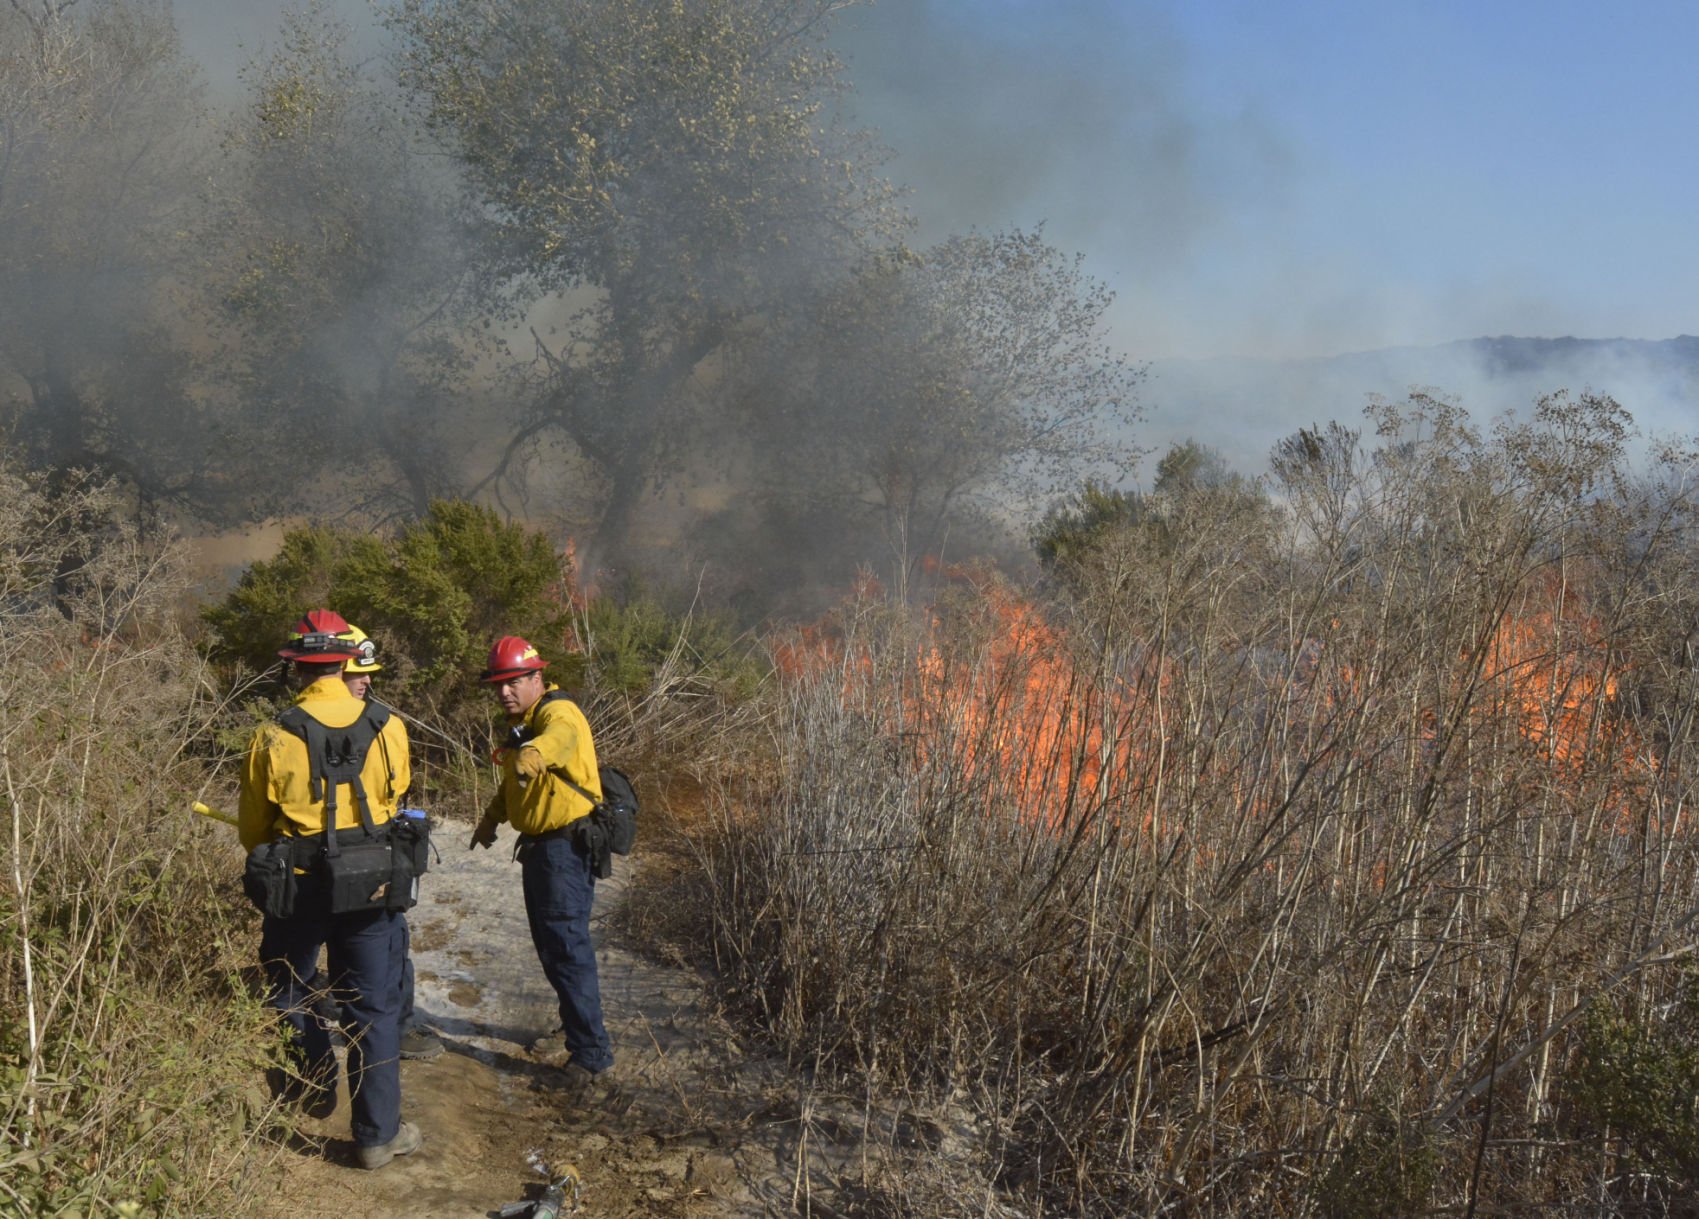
547,758
286,798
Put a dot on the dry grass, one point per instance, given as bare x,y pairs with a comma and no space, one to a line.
129,1053
1280,876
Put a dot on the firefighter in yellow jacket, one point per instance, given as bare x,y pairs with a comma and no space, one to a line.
548,785
286,792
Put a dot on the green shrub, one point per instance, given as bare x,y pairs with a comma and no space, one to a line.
1635,1078
1193,488
435,596
633,636
1072,531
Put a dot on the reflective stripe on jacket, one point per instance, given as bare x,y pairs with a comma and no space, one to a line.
562,735
276,779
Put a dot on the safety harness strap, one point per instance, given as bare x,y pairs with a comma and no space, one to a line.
336,756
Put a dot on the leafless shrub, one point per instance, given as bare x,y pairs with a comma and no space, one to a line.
125,1048
1276,874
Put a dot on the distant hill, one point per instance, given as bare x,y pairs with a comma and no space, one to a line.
1242,406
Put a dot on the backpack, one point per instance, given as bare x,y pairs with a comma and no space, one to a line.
612,823
337,755
616,813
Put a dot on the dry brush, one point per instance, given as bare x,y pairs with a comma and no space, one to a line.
129,1050
1294,868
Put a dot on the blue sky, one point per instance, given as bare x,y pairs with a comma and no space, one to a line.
1307,178
1297,178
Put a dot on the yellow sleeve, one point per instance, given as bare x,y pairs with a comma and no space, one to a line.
256,813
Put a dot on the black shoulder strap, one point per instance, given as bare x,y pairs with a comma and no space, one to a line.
581,790
556,696
335,756
312,735
379,713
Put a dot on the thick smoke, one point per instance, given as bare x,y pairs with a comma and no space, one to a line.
104,143
301,303
223,36
1086,116
1002,118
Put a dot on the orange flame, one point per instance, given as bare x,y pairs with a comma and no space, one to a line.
1025,715
1555,664
1015,713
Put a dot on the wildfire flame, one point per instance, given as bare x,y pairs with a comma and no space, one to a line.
1553,666
1016,712
1031,717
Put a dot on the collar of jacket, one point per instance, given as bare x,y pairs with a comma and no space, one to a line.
325,690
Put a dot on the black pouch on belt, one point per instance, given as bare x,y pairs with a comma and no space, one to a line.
410,843
269,878
361,873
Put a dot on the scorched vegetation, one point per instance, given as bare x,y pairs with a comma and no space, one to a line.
1324,851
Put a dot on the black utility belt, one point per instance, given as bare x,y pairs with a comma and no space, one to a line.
314,847
589,837
565,831
374,870
572,832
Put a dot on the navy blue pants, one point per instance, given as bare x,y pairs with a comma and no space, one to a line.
559,887
322,983
366,952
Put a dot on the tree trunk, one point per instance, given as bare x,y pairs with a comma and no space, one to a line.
59,411
628,481
643,403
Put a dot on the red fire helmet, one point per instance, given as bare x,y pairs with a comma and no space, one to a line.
320,638
509,657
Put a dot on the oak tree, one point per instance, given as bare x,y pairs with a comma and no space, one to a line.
972,378
352,283
674,168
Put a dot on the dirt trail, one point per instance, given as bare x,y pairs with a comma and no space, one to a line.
692,1126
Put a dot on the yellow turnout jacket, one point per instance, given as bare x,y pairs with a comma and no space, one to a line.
562,735
277,781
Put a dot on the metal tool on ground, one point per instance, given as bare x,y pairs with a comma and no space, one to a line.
559,1199
205,811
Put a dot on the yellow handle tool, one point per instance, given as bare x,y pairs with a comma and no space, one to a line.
205,811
